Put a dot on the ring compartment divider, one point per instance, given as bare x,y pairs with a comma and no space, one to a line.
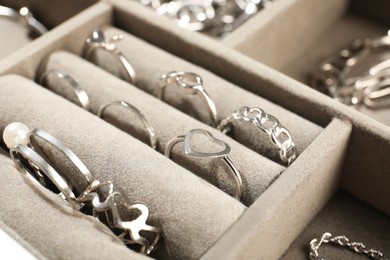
368,142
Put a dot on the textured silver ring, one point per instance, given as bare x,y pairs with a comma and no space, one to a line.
192,84
149,128
223,154
78,90
97,41
23,16
279,136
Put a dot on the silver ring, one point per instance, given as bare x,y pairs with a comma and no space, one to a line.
192,84
149,128
97,41
280,136
223,154
30,163
25,17
371,90
41,166
104,201
36,160
80,92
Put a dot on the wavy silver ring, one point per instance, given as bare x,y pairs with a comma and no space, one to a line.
79,91
192,84
149,128
23,16
97,41
223,154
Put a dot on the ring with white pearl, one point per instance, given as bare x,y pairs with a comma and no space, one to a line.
16,133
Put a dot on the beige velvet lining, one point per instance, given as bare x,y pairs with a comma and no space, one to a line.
150,63
51,227
102,87
21,241
288,205
178,201
344,215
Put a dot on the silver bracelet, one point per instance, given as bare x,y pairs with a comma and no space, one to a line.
343,241
94,197
192,84
25,17
97,41
280,136
214,17
371,90
223,154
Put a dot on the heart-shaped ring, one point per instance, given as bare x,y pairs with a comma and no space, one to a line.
223,153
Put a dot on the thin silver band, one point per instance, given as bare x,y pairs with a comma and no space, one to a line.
33,157
279,136
194,87
97,41
221,154
23,16
79,91
149,128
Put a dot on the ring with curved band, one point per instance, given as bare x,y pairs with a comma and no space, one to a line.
371,90
78,90
223,154
18,139
279,136
97,41
192,84
24,138
23,16
149,128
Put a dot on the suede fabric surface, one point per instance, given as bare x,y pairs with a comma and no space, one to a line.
150,63
344,215
192,213
50,226
18,36
18,239
257,171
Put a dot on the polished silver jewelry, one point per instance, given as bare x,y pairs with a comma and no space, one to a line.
127,105
25,17
223,154
129,229
97,41
98,196
78,90
18,139
214,17
343,241
192,84
280,136
371,90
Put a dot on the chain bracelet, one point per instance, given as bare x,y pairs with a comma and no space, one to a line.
343,241
279,136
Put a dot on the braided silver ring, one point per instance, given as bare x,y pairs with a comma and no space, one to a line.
279,136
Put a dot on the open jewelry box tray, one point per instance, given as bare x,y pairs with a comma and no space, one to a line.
349,154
